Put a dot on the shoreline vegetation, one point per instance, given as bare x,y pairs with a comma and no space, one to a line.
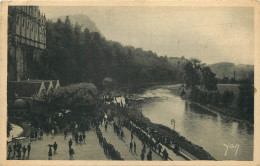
223,112
134,112
191,148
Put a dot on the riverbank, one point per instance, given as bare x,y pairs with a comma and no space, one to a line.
229,113
174,137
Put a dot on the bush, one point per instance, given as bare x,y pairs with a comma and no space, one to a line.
216,96
227,98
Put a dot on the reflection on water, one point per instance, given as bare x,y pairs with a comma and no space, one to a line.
200,126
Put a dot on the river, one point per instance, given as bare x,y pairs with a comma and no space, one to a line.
223,138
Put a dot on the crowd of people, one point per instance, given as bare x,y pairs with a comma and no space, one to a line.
15,151
109,149
137,128
152,143
36,134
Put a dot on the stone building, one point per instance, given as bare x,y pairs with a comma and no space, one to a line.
26,41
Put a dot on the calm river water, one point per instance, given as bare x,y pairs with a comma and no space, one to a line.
223,138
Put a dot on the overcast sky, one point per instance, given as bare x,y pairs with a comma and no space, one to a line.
211,34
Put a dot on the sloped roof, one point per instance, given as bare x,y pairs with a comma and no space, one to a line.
23,88
46,82
54,82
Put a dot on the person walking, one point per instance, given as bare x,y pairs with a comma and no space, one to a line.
35,134
28,149
84,137
142,156
19,145
80,138
60,127
32,135
52,132
19,153
144,149
15,149
134,147
122,134
76,137
149,156
71,152
55,130
50,153
55,146
41,134
9,151
131,146
70,143
65,133
106,126
24,151
159,148
165,154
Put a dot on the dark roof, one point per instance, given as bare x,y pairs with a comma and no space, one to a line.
22,88
46,82
20,104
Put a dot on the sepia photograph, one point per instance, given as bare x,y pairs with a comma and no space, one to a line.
132,83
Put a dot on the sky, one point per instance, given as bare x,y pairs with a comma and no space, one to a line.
211,34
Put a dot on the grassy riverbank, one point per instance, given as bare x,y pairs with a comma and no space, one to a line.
227,112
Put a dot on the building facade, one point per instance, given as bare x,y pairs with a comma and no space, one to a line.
26,41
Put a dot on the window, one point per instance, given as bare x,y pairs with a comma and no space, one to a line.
17,19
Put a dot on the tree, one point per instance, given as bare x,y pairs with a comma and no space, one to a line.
79,98
76,56
227,98
191,75
246,99
209,79
108,84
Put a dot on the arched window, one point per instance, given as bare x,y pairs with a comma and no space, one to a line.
32,25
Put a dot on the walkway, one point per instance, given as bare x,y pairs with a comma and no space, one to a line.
171,155
91,150
122,145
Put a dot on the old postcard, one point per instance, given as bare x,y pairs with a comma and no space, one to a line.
130,82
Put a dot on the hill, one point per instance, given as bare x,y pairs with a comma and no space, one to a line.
82,20
226,69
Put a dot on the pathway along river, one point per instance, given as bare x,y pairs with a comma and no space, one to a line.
223,138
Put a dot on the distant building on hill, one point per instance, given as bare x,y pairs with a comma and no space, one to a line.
26,41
